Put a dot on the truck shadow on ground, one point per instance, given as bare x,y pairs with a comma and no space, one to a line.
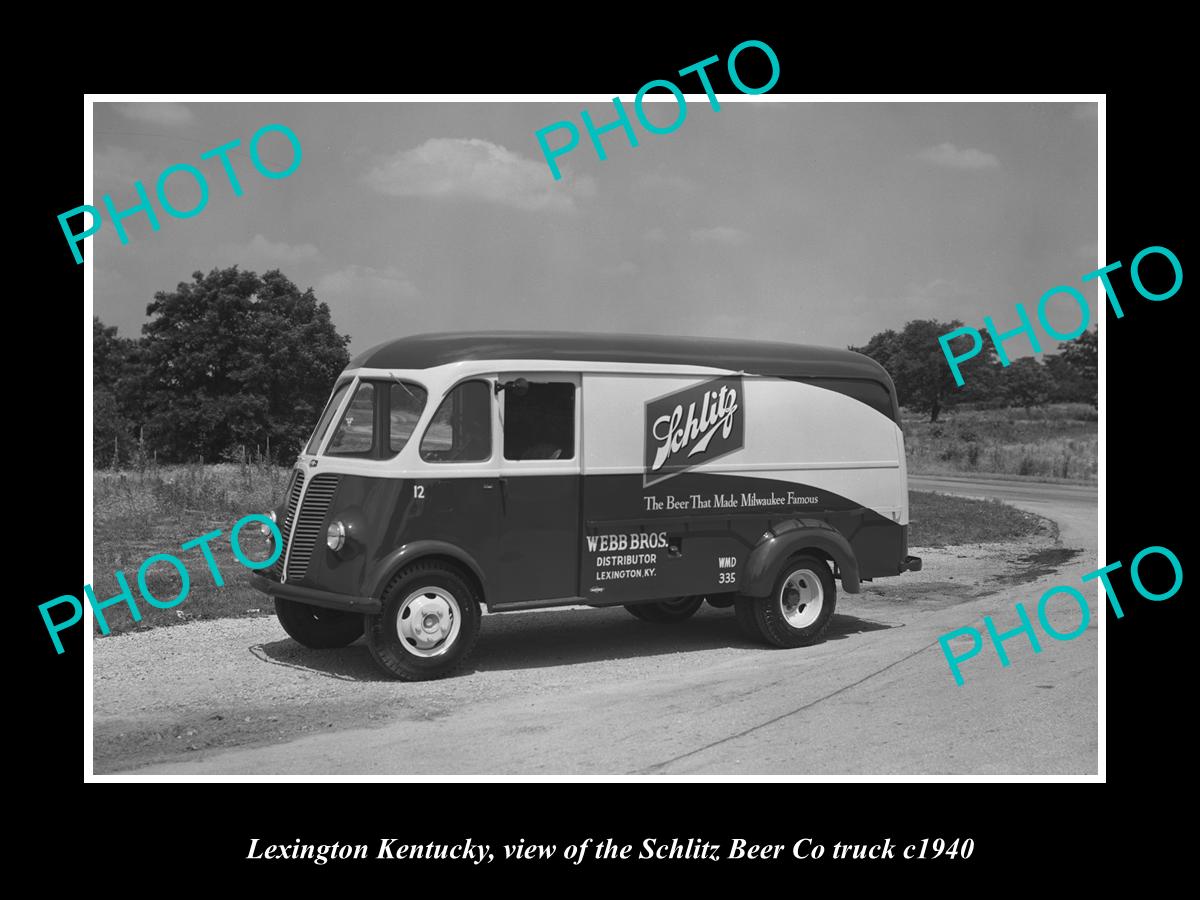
547,639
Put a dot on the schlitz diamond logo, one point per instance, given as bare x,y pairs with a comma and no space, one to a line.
693,426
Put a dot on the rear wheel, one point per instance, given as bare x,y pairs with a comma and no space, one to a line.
664,612
317,627
797,611
428,625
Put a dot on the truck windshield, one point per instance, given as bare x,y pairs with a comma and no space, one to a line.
323,425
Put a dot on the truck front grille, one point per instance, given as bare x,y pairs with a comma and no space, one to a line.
309,524
295,488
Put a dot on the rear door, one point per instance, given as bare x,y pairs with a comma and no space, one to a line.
539,486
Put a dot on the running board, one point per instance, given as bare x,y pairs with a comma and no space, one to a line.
539,604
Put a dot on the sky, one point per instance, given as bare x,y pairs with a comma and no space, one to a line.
815,223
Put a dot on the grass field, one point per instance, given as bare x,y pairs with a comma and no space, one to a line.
139,514
1052,443
939,520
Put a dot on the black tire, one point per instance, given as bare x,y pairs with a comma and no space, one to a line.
413,644
666,612
786,617
316,627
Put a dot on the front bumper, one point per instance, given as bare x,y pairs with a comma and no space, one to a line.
315,597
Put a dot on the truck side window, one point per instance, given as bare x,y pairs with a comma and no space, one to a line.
407,404
541,423
461,429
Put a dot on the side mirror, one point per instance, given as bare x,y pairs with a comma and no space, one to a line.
518,386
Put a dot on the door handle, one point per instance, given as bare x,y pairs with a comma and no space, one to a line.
490,485
504,491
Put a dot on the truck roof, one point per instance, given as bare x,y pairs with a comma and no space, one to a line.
423,351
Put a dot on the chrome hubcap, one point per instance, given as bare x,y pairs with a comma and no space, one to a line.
428,621
801,598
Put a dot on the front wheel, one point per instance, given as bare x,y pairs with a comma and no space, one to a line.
797,611
316,627
665,612
428,626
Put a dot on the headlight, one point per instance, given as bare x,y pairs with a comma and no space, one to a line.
335,537
264,529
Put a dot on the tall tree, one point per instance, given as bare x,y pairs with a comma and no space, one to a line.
1074,369
1027,383
924,382
234,358
109,354
116,405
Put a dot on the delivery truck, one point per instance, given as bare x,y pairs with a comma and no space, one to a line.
453,473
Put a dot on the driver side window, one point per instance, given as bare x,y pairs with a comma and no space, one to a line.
461,429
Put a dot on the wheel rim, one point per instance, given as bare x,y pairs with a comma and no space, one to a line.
801,598
427,622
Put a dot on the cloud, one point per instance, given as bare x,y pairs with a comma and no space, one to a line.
262,250
719,234
117,168
950,156
625,268
477,170
156,113
938,287
932,299
364,283
653,180
655,235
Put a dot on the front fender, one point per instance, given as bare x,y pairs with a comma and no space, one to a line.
409,553
793,536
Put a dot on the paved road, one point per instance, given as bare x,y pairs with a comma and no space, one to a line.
1073,507
1048,498
596,692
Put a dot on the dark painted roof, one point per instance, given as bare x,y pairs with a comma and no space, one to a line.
423,351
